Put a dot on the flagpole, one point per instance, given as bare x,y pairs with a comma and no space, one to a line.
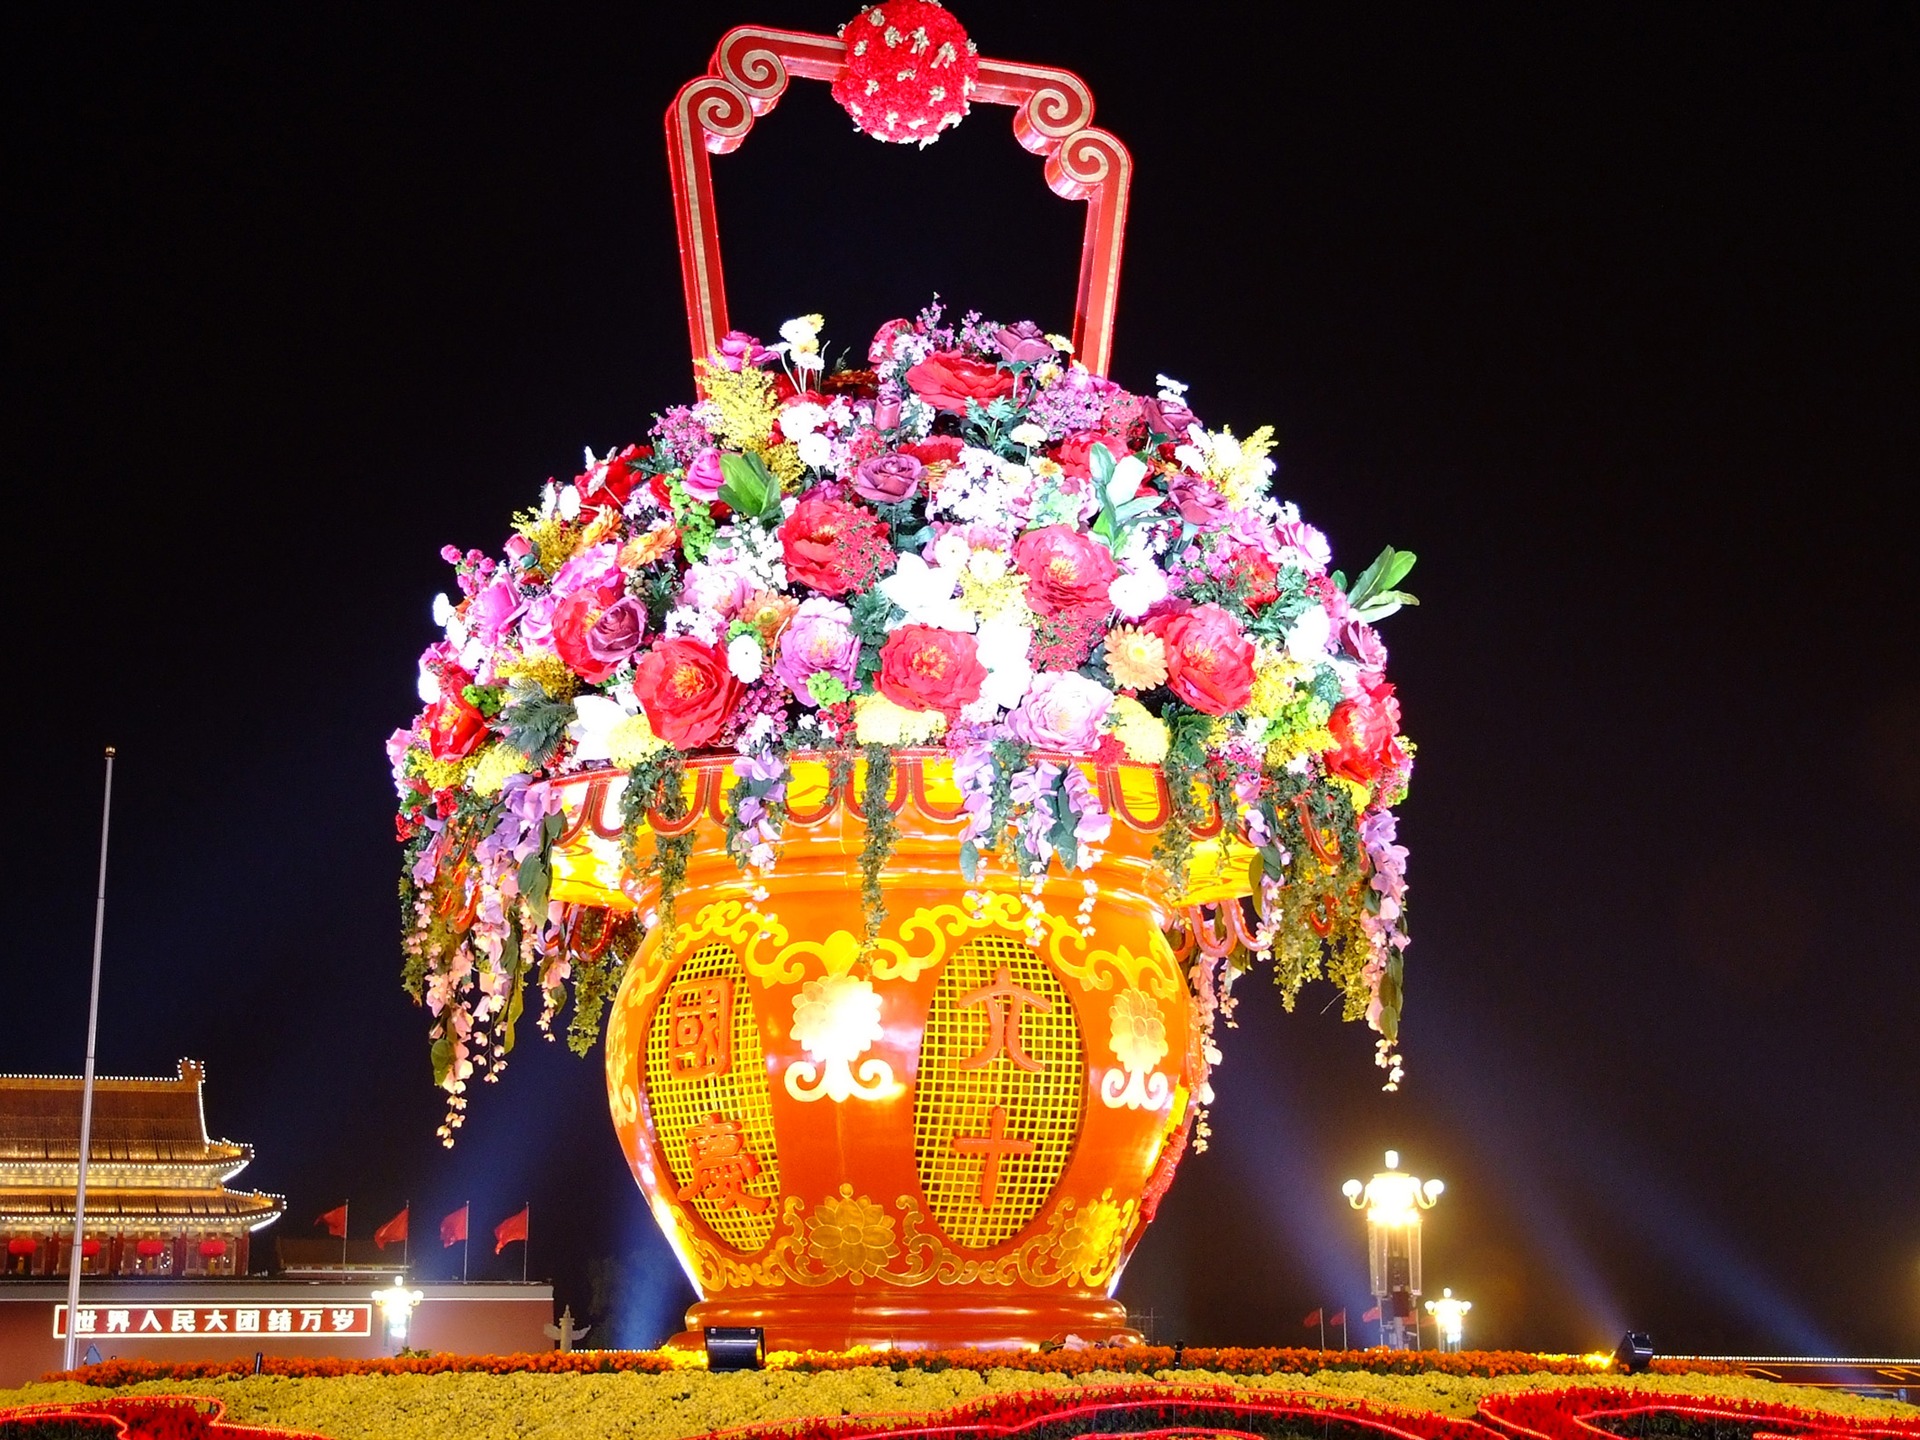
526,1242
1323,1327
466,1238
406,1242
345,1219
1343,1327
75,1259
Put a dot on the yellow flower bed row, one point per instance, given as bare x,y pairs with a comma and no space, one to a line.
693,1402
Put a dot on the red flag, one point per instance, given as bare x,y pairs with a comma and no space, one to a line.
336,1222
1312,1322
394,1231
1371,1315
1338,1317
453,1229
513,1228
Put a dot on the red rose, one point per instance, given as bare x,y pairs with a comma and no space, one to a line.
924,668
936,449
947,380
607,488
834,546
1256,574
1073,452
687,691
1366,729
1209,659
1066,571
455,727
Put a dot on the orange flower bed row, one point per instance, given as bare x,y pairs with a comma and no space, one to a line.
1138,1359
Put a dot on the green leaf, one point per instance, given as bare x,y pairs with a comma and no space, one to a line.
1100,460
442,1057
970,861
516,1002
749,487
1387,570
534,879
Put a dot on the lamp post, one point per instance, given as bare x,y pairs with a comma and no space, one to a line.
396,1308
1449,1318
1393,1201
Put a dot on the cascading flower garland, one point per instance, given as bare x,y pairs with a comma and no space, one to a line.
970,543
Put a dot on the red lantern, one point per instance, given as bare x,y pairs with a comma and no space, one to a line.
89,1248
212,1248
22,1245
147,1249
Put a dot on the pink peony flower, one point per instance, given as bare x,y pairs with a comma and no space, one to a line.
493,610
819,640
739,349
716,587
1062,711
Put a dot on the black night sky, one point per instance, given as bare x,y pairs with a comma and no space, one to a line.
1608,312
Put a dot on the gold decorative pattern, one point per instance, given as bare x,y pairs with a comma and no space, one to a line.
1012,1047
852,1236
1155,972
739,1094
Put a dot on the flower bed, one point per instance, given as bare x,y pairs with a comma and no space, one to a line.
1125,1359
775,1403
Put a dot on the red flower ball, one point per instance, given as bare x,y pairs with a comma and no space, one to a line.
925,668
687,691
1067,573
911,71
948,379
454,726
833,545
1209,658
1367,727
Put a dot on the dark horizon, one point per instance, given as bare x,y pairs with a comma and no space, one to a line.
1609,315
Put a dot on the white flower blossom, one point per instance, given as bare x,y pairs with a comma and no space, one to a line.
1307,639
744,658
925,592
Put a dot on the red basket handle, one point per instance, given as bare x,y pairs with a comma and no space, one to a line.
748,74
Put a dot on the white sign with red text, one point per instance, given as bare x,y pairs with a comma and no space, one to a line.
196,1322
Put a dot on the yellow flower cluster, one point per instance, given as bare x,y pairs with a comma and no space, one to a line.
878,721
688,1403
1140,732
440,774
632,740
493,765
549,672
739,407
552,538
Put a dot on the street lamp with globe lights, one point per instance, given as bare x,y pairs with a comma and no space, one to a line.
396,1304
1393,1201
1449,1318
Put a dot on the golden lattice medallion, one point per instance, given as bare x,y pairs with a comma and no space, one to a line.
997,1101
707,1090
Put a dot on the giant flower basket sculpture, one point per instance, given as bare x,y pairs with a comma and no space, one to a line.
914,753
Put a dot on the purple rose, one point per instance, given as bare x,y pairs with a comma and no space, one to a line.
819,640
1023,343
1169,417
1198,502
616,634
704,475
1063,710
888,479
